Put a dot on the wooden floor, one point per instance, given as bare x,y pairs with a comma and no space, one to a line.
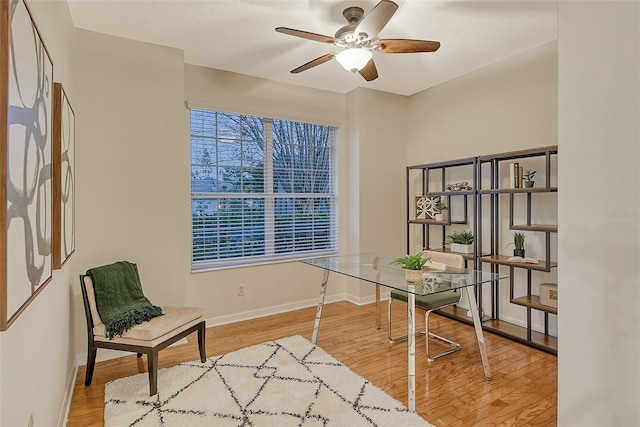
451,391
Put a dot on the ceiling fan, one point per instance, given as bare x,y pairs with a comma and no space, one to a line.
358,40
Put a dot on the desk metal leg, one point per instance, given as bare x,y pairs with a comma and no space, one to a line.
378,307
323,291
411,380
471,292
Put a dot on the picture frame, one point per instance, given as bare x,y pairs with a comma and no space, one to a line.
26,94
426,207
63,177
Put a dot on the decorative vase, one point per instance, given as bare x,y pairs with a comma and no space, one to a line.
518,252
439,217
413,276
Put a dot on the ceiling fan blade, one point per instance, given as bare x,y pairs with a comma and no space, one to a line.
369,72
307,35
313,63
405,46
376,19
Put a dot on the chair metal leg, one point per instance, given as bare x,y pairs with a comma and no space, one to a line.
400,338
431,358
91,363
201,343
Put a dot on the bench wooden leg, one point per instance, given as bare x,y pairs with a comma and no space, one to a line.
152,361
201,343
91,363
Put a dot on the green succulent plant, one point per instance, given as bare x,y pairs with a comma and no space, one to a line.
529,174
441,206
462,237
412,262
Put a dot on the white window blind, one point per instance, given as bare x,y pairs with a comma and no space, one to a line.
262,190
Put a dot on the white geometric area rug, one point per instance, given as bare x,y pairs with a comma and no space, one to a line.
289,382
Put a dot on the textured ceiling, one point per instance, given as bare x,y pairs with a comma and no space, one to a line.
239,36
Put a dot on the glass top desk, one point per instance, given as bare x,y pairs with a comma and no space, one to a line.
377,269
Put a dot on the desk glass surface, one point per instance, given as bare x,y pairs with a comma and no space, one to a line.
378,269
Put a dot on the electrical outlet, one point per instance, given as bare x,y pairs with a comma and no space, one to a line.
240,290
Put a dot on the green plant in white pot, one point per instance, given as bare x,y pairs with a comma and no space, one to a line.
413,266
441,207
461,241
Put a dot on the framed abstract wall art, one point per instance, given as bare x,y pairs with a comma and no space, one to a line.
26,94
426,207
63,178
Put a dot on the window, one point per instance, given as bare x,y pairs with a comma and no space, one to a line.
262,189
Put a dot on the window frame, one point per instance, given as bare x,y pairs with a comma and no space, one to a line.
269,197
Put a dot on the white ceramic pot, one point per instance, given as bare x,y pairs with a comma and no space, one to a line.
461,249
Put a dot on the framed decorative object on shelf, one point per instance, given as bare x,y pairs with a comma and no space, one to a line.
26,92
426,207
63,177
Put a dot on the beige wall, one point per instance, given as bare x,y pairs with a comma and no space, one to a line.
376,184
37,354
599,214
506,106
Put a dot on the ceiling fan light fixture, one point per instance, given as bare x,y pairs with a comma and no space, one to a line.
354,59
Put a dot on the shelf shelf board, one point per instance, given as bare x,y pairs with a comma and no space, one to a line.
520,154
502,259
509,330
446,164
519,190
433,222
470,256
533,301
450,193
460,314
550,228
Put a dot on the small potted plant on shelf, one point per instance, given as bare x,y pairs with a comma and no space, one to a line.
413,266
441,207
528,176
461,241
518,244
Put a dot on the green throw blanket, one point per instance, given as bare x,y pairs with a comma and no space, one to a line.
119,298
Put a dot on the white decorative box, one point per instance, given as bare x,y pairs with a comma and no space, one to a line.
549,294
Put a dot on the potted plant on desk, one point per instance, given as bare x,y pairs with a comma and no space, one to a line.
413,266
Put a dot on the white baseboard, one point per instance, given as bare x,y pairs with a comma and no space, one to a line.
268,311
68,396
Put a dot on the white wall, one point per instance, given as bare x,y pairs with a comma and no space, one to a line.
37,353
599,214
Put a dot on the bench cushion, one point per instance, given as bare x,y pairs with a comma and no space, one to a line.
174,318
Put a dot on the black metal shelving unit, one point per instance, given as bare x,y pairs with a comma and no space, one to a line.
485,179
